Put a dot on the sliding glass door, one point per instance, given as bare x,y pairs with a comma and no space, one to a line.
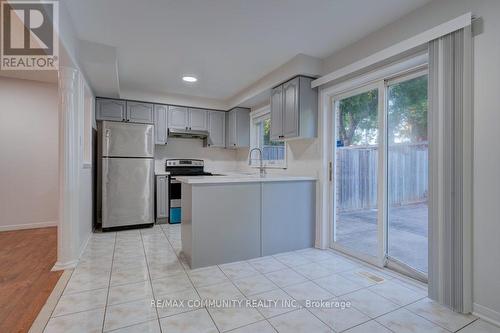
380,172
407,183
356,168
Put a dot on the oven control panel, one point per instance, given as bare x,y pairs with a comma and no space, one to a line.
188,162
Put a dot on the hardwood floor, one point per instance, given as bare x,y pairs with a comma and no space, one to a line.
26,257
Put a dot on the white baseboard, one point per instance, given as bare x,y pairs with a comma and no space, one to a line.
61,266
28,226
486,314
43,317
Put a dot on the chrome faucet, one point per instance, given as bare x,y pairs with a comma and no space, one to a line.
261,165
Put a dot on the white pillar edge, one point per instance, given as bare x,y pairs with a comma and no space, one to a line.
67,232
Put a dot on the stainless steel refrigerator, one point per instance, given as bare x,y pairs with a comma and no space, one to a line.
125,174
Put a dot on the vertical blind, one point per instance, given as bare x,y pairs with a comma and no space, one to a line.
450,170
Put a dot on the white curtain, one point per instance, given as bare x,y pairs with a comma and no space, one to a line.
450,170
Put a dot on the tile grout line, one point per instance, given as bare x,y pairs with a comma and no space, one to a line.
150,280
109,284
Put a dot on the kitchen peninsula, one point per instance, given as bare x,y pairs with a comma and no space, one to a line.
240,217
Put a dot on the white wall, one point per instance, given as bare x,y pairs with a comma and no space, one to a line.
486,225
28,154
303,158
216,159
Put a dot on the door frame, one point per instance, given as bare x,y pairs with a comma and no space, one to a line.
378,79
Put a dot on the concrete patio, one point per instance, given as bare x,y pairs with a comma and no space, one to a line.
407,233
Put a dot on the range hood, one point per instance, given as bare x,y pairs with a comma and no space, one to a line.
186,133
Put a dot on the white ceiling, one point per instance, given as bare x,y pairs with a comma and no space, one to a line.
227,44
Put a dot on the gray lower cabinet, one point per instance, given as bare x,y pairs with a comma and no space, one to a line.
227,222
294,110
216,129
220,223
160,117
111,109
139,112
288,215
161,199
238,128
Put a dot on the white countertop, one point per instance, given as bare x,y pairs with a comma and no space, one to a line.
240,179
161,173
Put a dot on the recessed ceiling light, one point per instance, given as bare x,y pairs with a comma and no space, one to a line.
189,79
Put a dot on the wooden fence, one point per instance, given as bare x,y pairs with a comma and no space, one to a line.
356,175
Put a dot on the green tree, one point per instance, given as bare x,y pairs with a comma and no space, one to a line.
357,117
407,111
407,114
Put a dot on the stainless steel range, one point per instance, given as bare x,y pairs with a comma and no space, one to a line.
181,167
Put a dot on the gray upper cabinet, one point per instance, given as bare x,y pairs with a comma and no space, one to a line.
198,119
277,114
178,117
238,128
291,108
120,110
294,110
160,117
138,112
217,129
183,118
110,109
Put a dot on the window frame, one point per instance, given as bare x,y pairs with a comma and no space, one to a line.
257,116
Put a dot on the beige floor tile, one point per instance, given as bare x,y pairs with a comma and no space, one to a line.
81,322
299,321
404,321
440,315
183,301
396,292
151,326
266,264
238,270
84,301
283,303
285,277
259,327
369,327
307,291
233,317
207,276
337,284
197,321
225,290
312,271
127,314
171,284
339,317
254,284
130,292
370,303
480,326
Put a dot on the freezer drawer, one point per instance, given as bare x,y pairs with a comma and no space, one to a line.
126,139
127,191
